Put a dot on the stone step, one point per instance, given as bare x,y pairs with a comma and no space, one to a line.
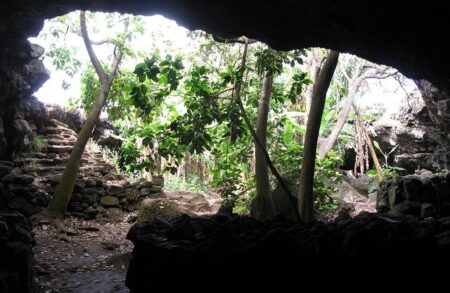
61,137
54,141
85,159
58,130
41,161
58,149
37,156
54,178
42,170
56,123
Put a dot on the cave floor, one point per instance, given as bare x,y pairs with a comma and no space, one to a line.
94,258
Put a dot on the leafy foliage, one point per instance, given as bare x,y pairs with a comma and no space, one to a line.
169,106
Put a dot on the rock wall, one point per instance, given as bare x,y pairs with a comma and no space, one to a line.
426,195
21,74
16,254
28,182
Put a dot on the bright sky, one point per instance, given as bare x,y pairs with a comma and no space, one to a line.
173,36
163,34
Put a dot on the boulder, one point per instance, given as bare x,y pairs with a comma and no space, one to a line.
282,202
360,184
192,201
23,134
151,208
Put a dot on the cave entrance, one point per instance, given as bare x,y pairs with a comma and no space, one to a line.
169,78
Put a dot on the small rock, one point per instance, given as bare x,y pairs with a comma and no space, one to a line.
23,235
155,189
109,201
63,239
114,189
427,210
80,184
146,184
16,171
145,191
90,182
109,246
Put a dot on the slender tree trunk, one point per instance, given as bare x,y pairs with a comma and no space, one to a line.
306,198
327,144
265,208
314,70
373,154
58,205
258,145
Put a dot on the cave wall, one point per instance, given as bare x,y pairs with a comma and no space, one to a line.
21,74
386,32
420,131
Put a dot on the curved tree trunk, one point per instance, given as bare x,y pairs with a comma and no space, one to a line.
265,209
58,205
306,198
327,144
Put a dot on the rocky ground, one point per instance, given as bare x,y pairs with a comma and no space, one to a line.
93,257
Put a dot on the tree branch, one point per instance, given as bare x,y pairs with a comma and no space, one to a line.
98,43
344,72
95,62
376,76
240,40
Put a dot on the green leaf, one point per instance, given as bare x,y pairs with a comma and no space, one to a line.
375,143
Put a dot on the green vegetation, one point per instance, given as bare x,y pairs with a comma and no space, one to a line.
37,144
191,183
180,114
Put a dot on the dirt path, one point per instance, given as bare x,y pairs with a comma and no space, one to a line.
93,260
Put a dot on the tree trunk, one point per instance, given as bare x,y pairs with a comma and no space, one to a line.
306,198
265,209
314,70
268,204
327,144
58,205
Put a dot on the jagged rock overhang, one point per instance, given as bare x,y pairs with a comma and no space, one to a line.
388,32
